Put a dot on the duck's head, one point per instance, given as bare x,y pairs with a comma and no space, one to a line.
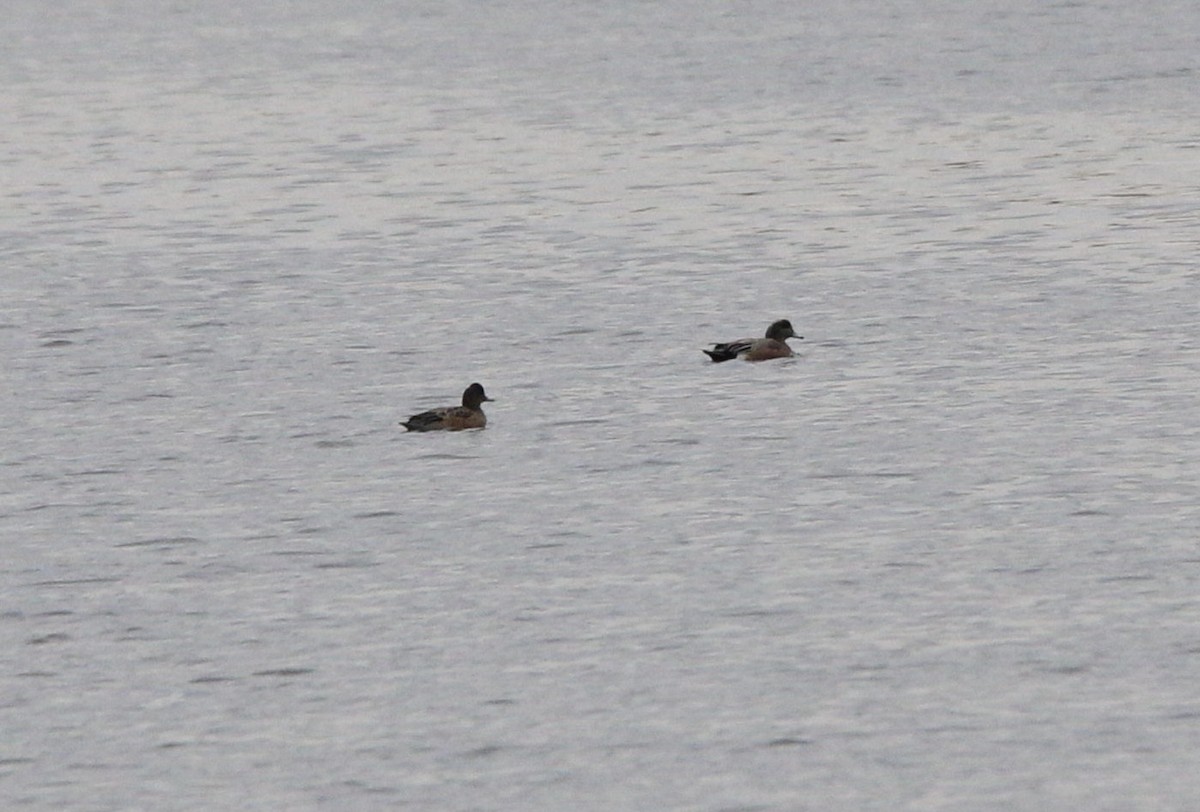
474,396
781,330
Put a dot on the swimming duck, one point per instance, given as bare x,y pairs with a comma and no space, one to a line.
758,349
453,418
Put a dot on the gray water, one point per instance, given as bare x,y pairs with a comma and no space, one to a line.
945,559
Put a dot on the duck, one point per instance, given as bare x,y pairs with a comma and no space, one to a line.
453,418
774,345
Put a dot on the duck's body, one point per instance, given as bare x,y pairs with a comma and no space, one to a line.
774,345
453,418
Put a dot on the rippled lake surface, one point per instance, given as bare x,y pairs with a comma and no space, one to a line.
944,559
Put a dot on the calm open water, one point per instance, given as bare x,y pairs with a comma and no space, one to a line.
946,559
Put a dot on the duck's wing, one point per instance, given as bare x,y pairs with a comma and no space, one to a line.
426,421
730,350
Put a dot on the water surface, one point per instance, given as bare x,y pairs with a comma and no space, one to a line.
944,559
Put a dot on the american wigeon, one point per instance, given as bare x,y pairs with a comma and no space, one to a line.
758,349
453,418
